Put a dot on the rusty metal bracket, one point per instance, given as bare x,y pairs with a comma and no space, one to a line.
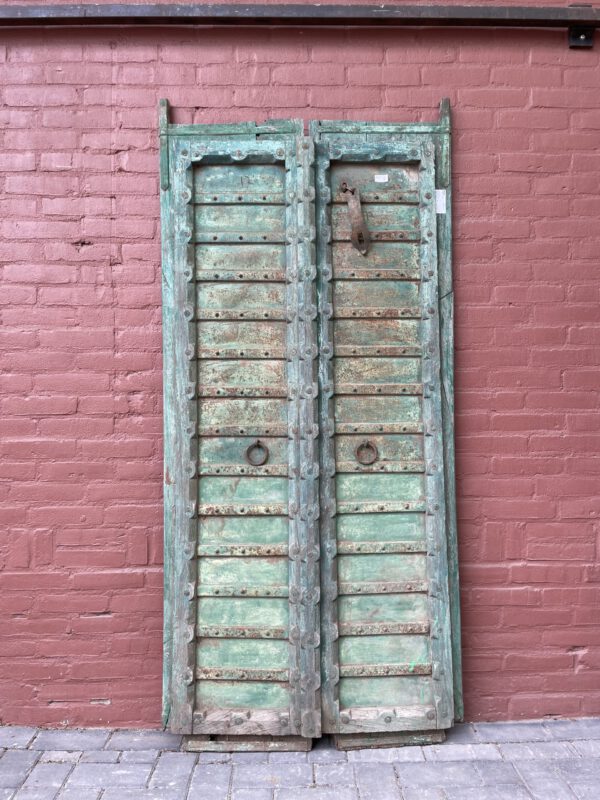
359,232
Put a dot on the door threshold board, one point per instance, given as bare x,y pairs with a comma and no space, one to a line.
246,744
358,741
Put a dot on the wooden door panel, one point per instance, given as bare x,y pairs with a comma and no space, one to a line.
238,244
385,618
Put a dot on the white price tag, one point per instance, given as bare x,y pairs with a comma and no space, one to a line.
380,178
440,201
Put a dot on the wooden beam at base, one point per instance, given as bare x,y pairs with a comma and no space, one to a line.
246,744
358,741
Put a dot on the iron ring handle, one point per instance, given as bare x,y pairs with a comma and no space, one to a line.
257,454
366,453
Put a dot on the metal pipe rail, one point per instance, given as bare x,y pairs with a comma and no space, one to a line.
298,14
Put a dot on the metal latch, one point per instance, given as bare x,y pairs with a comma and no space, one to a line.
359,231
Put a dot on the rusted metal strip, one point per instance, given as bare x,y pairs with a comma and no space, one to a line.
239,674
273,429
239,632
377,350
350,507
374,274
396,235
233,314
378,671
234,509
344,547
382,628
379,388
347,312
229,590
389,466
408,198
247,276
237,469
249,352
383,587
376,427
243,391
237,550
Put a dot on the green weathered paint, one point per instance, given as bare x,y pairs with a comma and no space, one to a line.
241,344
396,180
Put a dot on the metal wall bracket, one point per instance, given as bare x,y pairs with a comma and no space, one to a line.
580,36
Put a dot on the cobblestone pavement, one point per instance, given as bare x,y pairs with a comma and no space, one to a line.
550,760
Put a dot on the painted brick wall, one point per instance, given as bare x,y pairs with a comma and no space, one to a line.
80,423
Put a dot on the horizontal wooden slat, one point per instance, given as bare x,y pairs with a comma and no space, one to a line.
383,256
252,417
261,723
224,531
239,257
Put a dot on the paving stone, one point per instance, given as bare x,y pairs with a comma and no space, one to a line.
106,777
144,740
497,772
139,756
7,794
340,774
549,789
271,775
252,794
146,794
81,793
43,775
424,793
173,771
16,736
461,733
376,782
587,769
210,781
511,732
528,751
324,751
36,793
390,755
284,757
99,756
491,793
584,791
585,728
14,767
534,770
67,756
462,752
89,739
249,758
214,758
587,747
442,773
318,793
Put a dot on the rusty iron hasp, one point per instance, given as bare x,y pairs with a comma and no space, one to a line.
360,233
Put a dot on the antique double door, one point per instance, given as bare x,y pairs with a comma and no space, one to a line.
310,566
